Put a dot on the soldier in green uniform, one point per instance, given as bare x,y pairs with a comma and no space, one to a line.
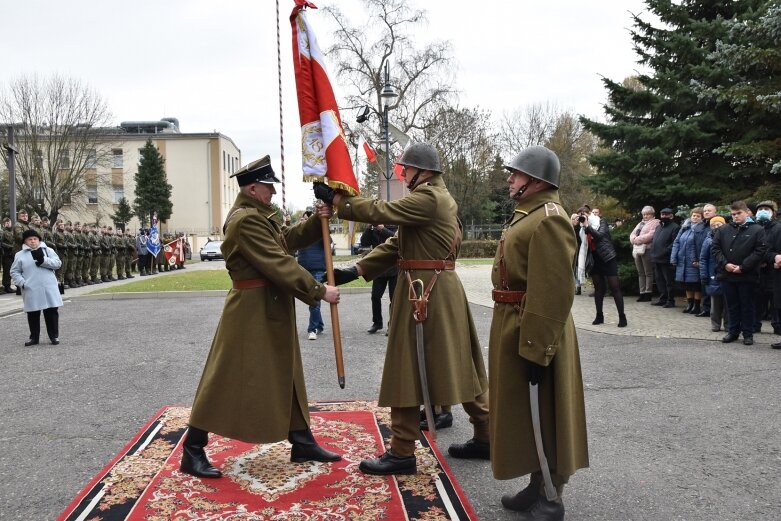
61,248
7,251
254,391
83,255
425,248
534,360
73,256
129,242
95,239
20,227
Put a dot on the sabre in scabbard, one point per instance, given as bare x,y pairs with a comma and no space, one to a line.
419,313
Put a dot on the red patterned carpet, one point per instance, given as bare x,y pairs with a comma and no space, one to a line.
259,482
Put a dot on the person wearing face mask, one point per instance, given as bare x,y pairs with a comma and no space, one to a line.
710,284
685,257
429,294
739,249
661,249
765,216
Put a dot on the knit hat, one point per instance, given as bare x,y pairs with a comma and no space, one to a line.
768,204
30,233
718,219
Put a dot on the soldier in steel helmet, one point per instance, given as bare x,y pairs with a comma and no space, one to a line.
254,390
533,349
425,249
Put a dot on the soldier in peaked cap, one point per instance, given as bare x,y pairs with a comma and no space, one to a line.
254,391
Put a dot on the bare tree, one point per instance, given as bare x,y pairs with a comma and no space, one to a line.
465,140
421,76
573,144
59,126
526,126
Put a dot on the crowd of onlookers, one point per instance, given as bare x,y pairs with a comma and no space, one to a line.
728,268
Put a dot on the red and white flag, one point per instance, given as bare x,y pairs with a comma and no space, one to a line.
371,155
174,252
324,147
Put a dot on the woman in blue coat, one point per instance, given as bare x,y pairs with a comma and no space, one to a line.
686,259
33,272
718,308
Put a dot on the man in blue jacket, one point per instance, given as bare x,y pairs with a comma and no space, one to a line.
739,249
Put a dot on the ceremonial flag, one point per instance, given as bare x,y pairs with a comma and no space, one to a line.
174,252
153,244
324,147
371,155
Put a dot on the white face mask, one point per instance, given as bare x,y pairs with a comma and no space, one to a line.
763,215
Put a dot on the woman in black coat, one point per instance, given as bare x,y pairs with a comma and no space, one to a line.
605,271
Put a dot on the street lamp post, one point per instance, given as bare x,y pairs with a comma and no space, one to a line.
388,94
12,151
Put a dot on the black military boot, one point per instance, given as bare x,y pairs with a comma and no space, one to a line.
524,499
389,463
441,421
305,448
194,460
543,510
472,449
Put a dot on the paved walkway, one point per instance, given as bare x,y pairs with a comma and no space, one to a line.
644,320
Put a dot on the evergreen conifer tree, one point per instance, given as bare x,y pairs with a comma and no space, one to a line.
153,193
123,214
661,139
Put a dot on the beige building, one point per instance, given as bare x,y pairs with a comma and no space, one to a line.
198,167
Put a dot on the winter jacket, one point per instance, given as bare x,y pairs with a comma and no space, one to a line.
662,243
603,243
686,252
312,257
38,283
644,232
743,245
773,241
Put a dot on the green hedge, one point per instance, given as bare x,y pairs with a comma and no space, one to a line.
478,249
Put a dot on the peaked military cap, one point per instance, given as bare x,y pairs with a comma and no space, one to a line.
259,171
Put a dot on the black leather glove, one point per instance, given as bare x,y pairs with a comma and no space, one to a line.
346,275
533,372
38,256
324,192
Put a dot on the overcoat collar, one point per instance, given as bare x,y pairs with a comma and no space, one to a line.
267,211
528,204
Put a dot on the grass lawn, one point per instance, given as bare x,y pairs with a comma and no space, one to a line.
481,262
203,280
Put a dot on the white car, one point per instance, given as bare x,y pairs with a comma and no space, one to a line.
212,251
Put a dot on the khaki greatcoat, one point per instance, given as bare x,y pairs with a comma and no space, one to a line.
254,366
539,249
427,223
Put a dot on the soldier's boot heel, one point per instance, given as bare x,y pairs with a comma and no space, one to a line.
472,449
543,510
305,448
194,460
600,319
524,499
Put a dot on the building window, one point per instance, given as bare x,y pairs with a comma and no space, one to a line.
38,159
119,193
92,159
118,161
92,194
65,160
224,160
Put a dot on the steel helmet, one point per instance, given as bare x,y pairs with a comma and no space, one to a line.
538,162
422,156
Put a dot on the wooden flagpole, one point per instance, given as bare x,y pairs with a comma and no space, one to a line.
337,333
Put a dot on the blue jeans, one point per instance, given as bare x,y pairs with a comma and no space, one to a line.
740,306
315,318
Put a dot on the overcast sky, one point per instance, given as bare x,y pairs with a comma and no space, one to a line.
213,65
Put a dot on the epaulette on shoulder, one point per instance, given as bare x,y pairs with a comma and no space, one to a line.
551,208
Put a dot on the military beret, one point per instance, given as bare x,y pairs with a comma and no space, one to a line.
6,219
259,171
77,222
68,223
666,210
21,211
30,233
45,219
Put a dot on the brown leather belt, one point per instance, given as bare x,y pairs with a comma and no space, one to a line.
427,264
250,283
508,297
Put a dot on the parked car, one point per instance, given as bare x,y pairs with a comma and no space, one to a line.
211,251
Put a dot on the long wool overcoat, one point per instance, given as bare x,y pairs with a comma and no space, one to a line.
427,225
539,247
39,282
254,366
